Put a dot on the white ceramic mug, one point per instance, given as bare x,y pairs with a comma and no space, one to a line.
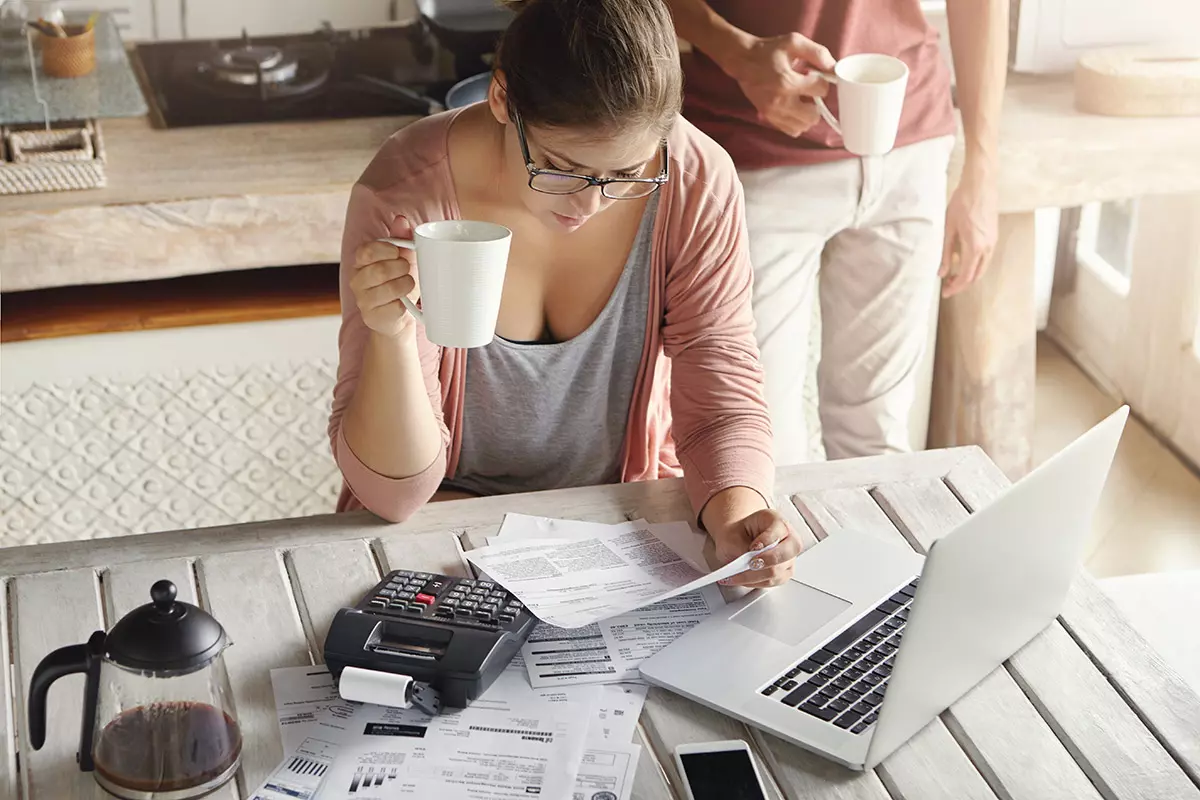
870,90
461,264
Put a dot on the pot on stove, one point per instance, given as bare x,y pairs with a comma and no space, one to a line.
158,717
470,29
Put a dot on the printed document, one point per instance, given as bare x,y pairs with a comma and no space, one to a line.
331,742
610,651
508,744
574,580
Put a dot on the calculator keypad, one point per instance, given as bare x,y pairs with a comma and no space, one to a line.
460,601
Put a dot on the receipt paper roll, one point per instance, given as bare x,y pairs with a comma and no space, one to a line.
382,688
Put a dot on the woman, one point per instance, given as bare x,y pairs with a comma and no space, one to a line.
624,346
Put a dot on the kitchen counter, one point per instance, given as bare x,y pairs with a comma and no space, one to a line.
109,90
1052,156
193,200
208,199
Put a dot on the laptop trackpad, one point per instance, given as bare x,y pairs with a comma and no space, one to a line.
790,613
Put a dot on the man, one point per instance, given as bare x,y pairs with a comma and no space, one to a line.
869,231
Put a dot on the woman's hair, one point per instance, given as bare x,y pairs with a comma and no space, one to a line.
609,64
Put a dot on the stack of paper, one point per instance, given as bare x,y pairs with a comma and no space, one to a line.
513,742
609,596
573,574
600,568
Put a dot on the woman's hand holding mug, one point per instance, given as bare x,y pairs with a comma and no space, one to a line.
464,262
383,278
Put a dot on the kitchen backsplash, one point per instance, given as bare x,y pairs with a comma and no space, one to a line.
150,20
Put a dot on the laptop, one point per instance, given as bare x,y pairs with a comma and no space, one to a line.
868,641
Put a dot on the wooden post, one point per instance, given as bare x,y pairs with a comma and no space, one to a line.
983,374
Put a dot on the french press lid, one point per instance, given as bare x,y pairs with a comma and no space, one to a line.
166,635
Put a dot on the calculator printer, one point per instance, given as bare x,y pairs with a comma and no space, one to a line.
453,634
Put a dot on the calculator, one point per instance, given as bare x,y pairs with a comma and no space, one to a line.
455,634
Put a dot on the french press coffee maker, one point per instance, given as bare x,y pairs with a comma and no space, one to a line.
158,717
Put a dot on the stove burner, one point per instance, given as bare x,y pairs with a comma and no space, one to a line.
251,65
256,56
322,75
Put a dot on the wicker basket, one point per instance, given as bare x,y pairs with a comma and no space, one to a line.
70,57
70,156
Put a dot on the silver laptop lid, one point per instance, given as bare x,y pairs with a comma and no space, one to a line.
994,583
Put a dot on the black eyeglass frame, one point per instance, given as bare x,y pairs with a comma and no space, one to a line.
589,181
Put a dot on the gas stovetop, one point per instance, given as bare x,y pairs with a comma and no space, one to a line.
323,75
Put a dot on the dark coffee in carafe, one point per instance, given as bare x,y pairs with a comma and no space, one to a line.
164,747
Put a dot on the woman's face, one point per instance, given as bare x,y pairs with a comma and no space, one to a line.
629,154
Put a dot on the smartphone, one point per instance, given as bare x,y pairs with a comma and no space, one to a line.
719,771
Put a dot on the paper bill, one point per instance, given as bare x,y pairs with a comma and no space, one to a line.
301,694
576,579
510,743
607,773
611,650
617,713
301,774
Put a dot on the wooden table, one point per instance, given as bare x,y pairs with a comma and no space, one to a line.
1087,710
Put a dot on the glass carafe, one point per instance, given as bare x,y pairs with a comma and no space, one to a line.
159,722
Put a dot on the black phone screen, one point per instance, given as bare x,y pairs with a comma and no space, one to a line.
721,775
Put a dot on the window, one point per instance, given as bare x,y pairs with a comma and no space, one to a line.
1114,235
1196,334
1105,241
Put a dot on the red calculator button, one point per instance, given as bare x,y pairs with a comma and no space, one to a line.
425,599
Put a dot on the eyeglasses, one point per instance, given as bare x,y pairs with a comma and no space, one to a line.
553,181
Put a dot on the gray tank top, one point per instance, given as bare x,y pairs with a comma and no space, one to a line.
550,416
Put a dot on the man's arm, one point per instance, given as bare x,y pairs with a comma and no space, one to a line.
765,68
979,44
709,32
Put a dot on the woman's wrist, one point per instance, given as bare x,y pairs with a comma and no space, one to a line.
729,507
405,337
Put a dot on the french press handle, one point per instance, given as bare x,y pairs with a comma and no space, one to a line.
84,658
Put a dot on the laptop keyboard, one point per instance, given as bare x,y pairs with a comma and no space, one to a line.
848,675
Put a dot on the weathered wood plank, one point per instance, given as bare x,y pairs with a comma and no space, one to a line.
325,579
649,782
8,727
858,473
477,535
831,510
976,480
127,586
51,611
657,501
787,508
250,595
931,765
803,775
1160,697
922,510
1099,729
669,720
1012,746
428,552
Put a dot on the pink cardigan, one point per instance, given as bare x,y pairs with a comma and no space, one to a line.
698,398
